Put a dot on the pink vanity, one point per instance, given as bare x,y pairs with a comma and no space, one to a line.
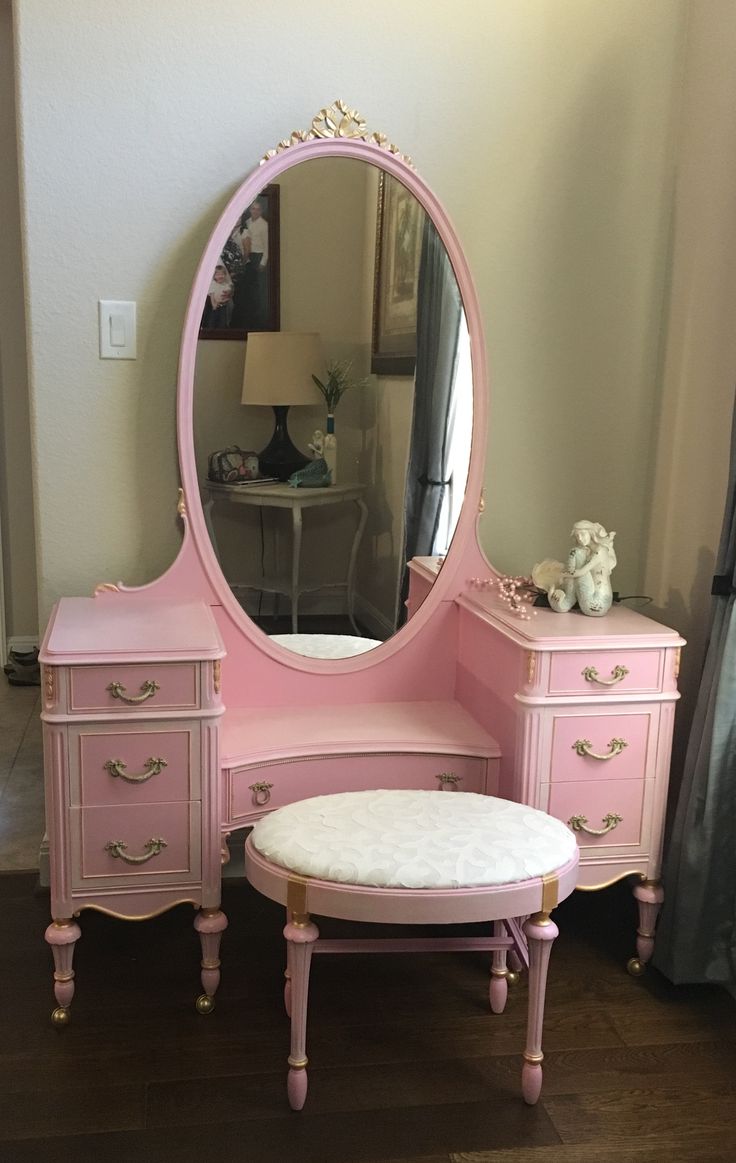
172,721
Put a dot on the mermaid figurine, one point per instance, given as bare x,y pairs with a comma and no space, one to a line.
586,579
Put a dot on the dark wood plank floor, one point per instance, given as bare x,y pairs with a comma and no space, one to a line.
406,1061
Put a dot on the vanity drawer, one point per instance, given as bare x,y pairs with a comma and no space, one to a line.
589,747
619,672
153,686
253,790
597,804
153,763
140,861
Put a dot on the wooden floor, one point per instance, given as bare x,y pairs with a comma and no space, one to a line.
406,1061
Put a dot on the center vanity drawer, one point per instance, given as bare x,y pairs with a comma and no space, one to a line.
127,689
153,763
617,746
620,672
133,845
251,791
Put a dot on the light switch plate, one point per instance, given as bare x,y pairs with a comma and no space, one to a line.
117,329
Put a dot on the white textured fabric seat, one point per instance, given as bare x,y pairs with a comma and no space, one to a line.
414,839
326,645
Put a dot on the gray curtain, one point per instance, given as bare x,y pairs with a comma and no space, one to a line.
696,940
438,327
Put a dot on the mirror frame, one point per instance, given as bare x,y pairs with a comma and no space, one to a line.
375,152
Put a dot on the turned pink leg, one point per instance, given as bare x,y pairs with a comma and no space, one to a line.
300,933
499,974
649,896
210,924
541,932
62,935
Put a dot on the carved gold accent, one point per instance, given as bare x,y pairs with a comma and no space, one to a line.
584,747
117,848
181,504
590,674
611,820
69,975
261,792
106,588
607,883
541,918
550,894
62,923
296,899
152,766
678,656
217,674
148,690
337,121
49,683
297,1063
211,911
533,1059
482,501
164,908
531,666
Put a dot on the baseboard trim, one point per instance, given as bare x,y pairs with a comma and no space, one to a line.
22,645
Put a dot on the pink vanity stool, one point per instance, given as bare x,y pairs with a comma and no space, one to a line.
416,858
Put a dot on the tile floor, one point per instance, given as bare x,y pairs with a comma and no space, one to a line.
21,777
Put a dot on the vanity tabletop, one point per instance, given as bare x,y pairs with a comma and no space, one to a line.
131,628
282,495
548,629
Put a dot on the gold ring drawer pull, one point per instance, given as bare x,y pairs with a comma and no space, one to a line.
611,820
448,779
148,690
590,674
117,848
152,767
261,793
585,747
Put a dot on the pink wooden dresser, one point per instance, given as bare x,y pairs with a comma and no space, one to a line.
563,712
131,706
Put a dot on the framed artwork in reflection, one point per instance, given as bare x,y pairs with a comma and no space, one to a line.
399,225
243,294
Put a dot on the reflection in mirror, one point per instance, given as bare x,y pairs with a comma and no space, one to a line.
366,301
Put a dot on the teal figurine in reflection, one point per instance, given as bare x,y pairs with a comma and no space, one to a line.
315,475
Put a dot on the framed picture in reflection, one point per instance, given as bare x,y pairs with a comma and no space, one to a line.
399,224
243,293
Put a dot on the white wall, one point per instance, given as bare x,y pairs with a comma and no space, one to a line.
545,126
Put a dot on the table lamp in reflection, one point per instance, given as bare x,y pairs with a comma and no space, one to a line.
278,371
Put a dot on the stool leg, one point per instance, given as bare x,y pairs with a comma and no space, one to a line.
499,973
300,933
541,932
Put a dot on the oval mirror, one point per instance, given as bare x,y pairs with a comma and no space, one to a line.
332,401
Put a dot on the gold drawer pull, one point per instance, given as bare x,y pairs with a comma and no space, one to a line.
590,674
148,689
611,821
448,779
116,767
261,793
153,847
584,747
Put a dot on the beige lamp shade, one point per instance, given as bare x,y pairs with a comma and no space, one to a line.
279,366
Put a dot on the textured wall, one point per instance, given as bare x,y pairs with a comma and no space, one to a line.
545,127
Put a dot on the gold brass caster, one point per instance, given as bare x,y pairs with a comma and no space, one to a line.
512,977
635,967
204,1004
60,1017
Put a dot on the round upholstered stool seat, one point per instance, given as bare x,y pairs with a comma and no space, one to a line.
415,857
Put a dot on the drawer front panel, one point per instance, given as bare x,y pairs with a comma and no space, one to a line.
153,686
598,802
142,860
255,790
588,747
113,766
619,672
